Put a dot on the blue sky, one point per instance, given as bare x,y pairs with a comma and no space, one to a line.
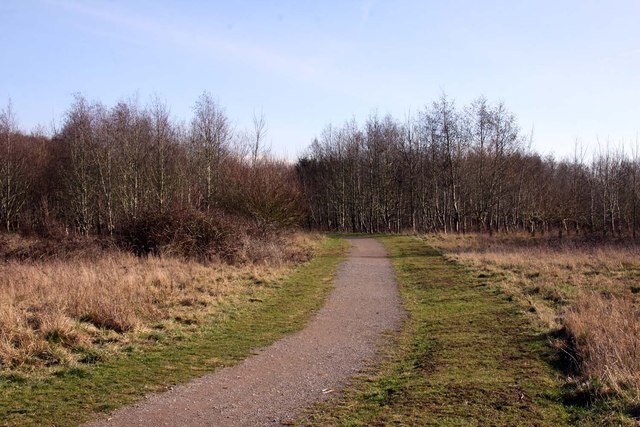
567,69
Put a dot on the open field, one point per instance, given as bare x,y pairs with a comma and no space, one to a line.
62,311
186,319
502,329
585,292
468,355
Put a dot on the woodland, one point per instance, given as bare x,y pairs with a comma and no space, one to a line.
120,170
463,169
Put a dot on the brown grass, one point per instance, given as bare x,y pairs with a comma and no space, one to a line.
55,311
606,336
590,290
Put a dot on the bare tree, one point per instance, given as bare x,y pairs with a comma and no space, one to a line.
259,133
79,140
163,141
14,185
210,136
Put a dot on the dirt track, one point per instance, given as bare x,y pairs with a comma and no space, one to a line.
273,386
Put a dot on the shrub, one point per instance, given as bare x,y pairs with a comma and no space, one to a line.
186,233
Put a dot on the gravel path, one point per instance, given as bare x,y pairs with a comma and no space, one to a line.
273,386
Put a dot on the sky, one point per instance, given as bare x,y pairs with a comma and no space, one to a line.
569,70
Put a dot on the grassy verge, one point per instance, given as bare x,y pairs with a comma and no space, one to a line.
468,355
76,394
581,291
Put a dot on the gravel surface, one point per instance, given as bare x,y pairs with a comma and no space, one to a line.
272,387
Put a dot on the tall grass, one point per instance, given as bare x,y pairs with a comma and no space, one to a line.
53,311
587,289
606,337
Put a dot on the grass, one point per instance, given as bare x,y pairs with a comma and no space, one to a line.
548,273
586,291
75,394
467,355
53,310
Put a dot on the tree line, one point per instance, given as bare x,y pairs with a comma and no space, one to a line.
108,169
453,169
131,170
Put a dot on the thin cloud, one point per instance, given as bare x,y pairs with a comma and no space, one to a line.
199,42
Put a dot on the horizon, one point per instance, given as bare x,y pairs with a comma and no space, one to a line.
569,76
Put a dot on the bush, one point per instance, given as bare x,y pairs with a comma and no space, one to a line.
188,233
15,247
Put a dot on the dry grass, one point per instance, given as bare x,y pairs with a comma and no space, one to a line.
588,289
58,311
606,336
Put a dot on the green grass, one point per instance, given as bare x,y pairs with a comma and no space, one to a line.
467,356
77,394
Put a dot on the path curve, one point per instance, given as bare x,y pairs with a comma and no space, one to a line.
272,387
